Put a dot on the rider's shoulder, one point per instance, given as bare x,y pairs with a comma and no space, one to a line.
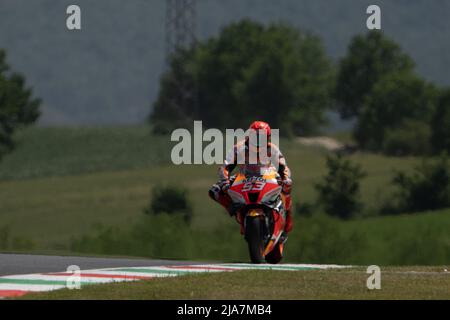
273,146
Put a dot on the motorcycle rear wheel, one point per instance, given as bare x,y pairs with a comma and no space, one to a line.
254,236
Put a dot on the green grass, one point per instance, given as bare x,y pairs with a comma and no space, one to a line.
396,283
44,152
64,183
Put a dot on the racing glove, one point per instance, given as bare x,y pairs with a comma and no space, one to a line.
224,185
286,185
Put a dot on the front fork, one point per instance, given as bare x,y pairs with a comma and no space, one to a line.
270,241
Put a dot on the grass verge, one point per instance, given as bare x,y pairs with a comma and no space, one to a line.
396,283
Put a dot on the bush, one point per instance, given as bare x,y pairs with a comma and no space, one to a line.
395,240
305,209
412,138
170,200
339,190
441,124
166,237
4,237
8,242
428,188
323,239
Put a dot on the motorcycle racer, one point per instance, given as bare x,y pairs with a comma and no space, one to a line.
241,150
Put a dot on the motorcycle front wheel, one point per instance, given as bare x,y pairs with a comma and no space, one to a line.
254,234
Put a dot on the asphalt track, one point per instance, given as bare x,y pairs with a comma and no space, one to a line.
12,264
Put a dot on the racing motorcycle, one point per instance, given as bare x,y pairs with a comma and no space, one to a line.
259,202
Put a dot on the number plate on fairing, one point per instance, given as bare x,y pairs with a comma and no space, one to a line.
253,185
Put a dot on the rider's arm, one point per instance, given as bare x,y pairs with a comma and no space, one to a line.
285,174
228,165
225,170
280,160
283,170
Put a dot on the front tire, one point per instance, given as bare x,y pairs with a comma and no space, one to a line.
254,236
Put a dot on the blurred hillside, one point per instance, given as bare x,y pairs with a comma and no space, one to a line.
108,72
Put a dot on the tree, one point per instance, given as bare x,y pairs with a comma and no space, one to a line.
393,101
251,71
427,188
170,200
17,107
412,138
176,101
339,189
440,136
370,58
